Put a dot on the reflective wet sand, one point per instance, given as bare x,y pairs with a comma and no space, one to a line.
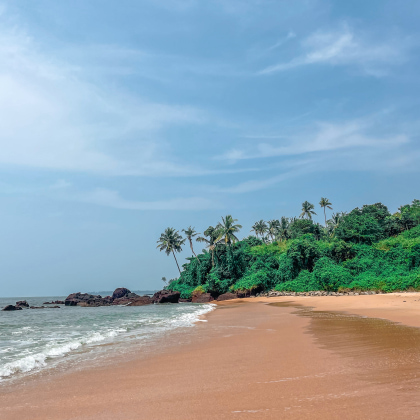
253,360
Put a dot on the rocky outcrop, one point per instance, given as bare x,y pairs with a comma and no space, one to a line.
44,307
184,300
202,298
85,299
120,292
11,308
166,296
227,296
22,304
56,302
133,301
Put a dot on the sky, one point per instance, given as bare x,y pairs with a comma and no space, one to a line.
119,119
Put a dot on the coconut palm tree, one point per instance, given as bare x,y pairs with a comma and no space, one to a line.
335,220
171,241
259,228
325,203
210,238
190,233
283,231
228,229
307,210
273,228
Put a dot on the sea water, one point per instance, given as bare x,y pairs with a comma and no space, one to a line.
34,340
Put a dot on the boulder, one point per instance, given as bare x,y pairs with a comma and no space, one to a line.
202,298
85,299
11,308
120,292
22,304
184,300
227,296
166,296
133,301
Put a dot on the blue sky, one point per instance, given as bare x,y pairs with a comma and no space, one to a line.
119,119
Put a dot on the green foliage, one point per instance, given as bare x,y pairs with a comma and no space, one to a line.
366,249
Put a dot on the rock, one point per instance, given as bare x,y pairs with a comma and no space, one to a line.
11,308
166,296
120,292
227,296
57,302
133,301
184,300
202,298
22,303
87,300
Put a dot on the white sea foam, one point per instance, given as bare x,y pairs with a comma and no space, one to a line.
48,341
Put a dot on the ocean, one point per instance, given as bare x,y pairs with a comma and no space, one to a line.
35,340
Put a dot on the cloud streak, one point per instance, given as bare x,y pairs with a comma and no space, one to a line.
344,47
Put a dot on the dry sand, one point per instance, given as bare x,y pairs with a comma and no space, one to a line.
261,358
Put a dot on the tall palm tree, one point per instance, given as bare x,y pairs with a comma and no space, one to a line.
210,238
273,228
171,241
190,233
307,210
334,222
283,231
228,229
259,228
325,203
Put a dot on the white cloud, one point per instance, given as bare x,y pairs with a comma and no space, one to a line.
344,47
53,118
321,138
111,198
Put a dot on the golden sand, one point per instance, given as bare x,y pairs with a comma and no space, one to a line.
262,358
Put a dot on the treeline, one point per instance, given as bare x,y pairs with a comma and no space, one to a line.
366,249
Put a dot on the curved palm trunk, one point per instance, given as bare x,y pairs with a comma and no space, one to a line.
192,249
325,217
176,262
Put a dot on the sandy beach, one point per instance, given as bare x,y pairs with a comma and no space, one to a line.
349,357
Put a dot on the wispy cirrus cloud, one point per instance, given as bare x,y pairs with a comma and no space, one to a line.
346,47
111,198
322,137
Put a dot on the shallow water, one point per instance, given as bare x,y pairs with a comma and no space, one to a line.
32,340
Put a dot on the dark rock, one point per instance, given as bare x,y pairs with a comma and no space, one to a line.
57,302
11,308
202,298
120,292
85,299
166,296
184,300
22,303
227,296
133,301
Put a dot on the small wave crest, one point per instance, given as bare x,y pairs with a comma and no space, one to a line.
39,356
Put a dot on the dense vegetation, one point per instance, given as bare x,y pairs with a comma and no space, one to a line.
366,249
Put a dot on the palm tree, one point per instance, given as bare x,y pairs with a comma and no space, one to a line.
259,228
307,210
228,229
283,231
211,233
325,203
171,241
273,228
190,233
335,220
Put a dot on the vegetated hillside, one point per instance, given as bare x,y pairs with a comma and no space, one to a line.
366,249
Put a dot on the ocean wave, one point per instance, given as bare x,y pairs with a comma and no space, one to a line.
150,326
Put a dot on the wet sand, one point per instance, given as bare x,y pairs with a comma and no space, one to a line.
270,358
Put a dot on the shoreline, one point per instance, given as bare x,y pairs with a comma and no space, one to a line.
252,359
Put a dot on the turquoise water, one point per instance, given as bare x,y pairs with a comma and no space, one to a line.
32,340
